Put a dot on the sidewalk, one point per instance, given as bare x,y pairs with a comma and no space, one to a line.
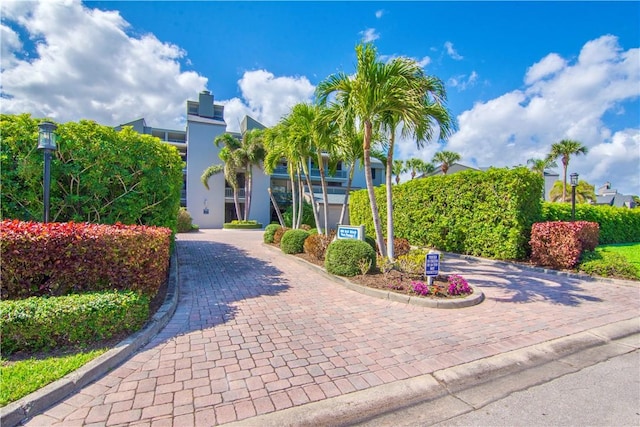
260,338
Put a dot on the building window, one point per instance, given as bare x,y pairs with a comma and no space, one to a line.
373,173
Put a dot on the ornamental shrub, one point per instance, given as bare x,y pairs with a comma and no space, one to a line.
39,323
401,246
617,225
185,223
277,236
559,244
60,258
98,174
307,215
412,262
482,213
292,241
344,257
269,231
316,245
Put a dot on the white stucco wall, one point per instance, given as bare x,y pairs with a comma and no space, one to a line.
202,153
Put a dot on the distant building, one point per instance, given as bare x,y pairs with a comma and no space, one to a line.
212,208
606,195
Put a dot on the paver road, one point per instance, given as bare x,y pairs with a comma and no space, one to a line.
256,332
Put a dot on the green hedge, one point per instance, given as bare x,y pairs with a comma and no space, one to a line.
40,323
98,174
617,225
242,225
481,213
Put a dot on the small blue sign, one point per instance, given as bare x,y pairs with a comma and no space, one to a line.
432,265
351,232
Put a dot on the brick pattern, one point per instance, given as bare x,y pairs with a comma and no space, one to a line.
257,332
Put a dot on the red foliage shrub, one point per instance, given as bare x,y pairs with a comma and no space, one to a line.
277,236
559,244
401,246
316,245
61,258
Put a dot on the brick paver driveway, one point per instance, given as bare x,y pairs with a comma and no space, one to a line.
256,332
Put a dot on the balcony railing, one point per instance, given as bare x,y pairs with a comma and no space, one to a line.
314,173
228,193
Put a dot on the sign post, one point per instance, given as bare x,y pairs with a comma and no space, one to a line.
352,232
432,266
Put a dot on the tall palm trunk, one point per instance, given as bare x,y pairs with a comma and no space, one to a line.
370,190
236,202
565,164
294,198
300,201
313,199
247,192
325,198
389,191
345,204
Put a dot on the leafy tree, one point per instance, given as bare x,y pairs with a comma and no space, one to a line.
98,174
446,159
585,192
564,150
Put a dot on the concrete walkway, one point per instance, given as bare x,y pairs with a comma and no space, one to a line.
260,338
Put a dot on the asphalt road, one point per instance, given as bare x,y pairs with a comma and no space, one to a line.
605,394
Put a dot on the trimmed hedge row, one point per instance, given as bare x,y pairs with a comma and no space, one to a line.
37,323
617,225
559,244
482,213
60,258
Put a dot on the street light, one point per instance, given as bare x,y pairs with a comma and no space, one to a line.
574,183
47,143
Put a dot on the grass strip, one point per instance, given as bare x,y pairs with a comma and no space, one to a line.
22,377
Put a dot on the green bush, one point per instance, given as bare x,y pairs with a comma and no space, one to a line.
293,241
269,231
98,174
412,262
372,242
482,213
40,323
185,223
307,215
608,264
242,225
617,225
344,257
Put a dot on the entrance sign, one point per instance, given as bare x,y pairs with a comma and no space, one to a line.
351,232
432,264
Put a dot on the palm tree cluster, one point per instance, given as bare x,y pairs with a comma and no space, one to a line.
355,117
563,150
414,165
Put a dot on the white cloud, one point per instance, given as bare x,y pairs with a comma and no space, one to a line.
452,52
267,98
379,13
461,82
548,66
567,102
86,65
369,35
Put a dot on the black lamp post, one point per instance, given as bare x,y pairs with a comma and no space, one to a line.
574,183
47,143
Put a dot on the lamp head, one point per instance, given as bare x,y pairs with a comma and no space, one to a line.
47,136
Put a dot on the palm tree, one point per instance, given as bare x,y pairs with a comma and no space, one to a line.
446,159
230,167
585,192
398,169
415,166
564,150
540,165
380,96
250,153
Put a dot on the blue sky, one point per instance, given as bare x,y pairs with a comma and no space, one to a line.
519,75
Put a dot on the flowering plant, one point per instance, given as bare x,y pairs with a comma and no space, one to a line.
458,286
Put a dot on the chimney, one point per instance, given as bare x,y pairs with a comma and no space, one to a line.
205,107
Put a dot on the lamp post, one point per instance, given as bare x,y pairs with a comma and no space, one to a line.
574,183
47,143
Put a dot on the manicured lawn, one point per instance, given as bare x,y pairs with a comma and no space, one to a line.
26,376
631,251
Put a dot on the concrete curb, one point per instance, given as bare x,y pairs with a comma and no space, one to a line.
471,385
474,299
38,401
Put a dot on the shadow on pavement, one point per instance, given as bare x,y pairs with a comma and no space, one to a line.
523,286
